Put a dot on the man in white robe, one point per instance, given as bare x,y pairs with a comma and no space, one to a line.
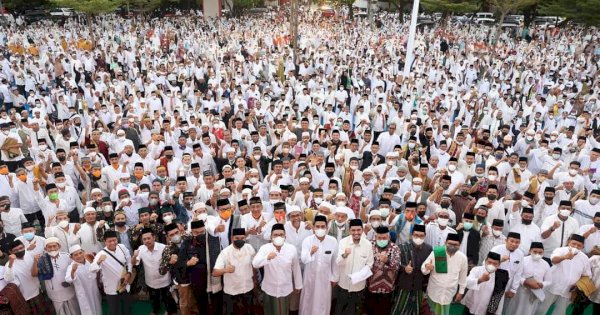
481,282
534,278
512,261
318,255
84,281
52,267
86,235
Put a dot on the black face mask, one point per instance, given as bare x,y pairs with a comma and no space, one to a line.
421,214
526,222
480,218
547,198
200,237
445,205
492,197
62,158
464,193
239,243
330,174
597,225
169,156
120,224
20,254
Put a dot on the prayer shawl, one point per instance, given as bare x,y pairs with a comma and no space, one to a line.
441,260
499,287
45,270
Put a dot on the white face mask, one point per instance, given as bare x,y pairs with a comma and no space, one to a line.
390,162
593,200
125,200
253,180
443,221
63,224
61,185
340,203
202,216
53,253
536,257
358,193
417,188
278,241
43,147
565,213
384,212
496,233
452,167
418,241
29,167
490,268
257,157
492,177
573,172
375,224
320,232
168,219
574,250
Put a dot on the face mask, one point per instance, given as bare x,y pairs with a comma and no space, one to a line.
411,145
60,185
384,212
354,167
168,219
556,156
62,158
318,200
279,217
29,235
169,156
22,177
53,253
574,250
467,226
20,254
97,174
120,224
29,167
278,241
490,268
442,221
375,224
320,232
358,193
418,241
565,213
594,200
452,167
573,172
153,202
492,197
63,224
340,203
496,233
382,243
536,257
253,180
53,196
451,249
225,215
329,174
125,200
43,147
416,188
107,209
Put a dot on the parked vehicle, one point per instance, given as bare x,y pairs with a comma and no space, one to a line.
327,11
65,12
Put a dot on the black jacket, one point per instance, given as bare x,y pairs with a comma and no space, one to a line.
473,241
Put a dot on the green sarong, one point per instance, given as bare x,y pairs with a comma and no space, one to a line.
276,305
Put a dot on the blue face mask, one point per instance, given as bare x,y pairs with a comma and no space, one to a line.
382,243
29,235
467,225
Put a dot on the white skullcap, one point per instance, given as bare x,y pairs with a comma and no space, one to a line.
88,209
74,248
51,240
199,205
125,175
224,190
374,212
96,190
340,194
326,204
303,180
275,189
253,171
246,191
293,208
440,209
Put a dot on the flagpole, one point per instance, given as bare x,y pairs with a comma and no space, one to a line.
411,38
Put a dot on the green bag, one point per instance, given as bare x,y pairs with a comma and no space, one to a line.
441,261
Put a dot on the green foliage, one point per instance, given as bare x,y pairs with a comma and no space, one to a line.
581,11
21,5
508,6
90,7
450,6
144,5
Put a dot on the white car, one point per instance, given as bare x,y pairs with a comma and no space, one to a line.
62,12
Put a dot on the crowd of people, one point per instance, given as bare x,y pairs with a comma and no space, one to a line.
209,166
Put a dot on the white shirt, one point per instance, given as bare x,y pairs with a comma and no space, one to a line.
56,292
361,256
279,270
151,260
442,286
560,236
514,265
112,270
592,239
296,237
435,236
20,275
12,221
567,272
240,281
479,294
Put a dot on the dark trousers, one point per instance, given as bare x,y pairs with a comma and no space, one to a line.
119,304
39,216
74,216
215,307
162,295
348,302
579,308
378,303
238,304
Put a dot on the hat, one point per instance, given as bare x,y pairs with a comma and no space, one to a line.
74,248
170,227
110,234
222,202
382,230
468,216
143,210
277,226
498,222
51,240
123,192
514,235
15,243
578,238
239,231
199,205
197,224
356,222
566,203
453,237
536,245
320,218
527,210
493,256
419,228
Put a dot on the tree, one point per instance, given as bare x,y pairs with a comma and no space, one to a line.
503,7
239,7
450,6
349,4
90,8
581,11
